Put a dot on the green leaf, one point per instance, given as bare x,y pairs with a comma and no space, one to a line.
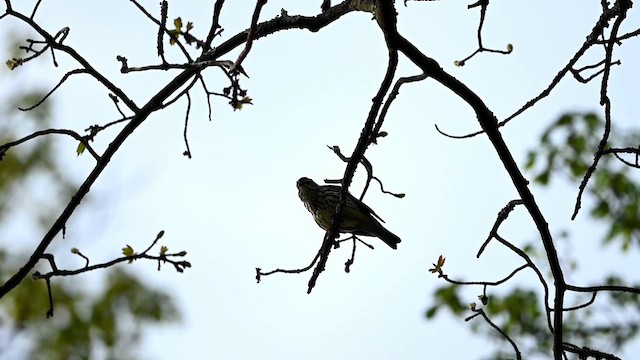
601,210
238,105
448,296
80,148
565,120
177,22
175,34
577,142
431,312
592,120
578,168
531,160
128,251
13,63
544,139
542,178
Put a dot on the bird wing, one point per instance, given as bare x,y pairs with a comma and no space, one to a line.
363,207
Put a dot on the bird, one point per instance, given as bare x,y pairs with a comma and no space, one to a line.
357,218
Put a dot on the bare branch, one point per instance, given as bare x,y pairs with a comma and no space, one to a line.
585,352
73,134
179,265
64,78
580,78
616,288
35,9
161,29
259,272
489,125
263,29
591,40
502,216
543,282
161,26
484,283
215,25
356,157
623,6
486,318
483,10
392,96
50,311
458,136
599,27
581,306
250,36
187,152
398,195
51,41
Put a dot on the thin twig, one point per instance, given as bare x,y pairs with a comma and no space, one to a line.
356,157
164,8
68,132
605,101
495,327
163,28
64,78
215,25
259,272
250,36
187,152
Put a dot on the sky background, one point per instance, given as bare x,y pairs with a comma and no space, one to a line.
234,206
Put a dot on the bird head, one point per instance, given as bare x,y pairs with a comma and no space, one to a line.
306,183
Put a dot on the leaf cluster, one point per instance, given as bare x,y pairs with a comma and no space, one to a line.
566,150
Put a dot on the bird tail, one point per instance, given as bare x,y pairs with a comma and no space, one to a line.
387,236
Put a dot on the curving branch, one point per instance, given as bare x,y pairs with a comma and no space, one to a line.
585,352
483,4
250,36
82,139
215,29
260,273
358,154
64,78
620,9
162,257
582,306
284,22
591,39
502,216
187,152
57,45
578,76
489,125
384,12
629,150
445,277
162,29
617,288
179,265
495,327
368,167
392,96
601,24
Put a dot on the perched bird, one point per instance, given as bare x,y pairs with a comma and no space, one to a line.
358,218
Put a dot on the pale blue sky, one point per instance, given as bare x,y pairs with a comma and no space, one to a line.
234,206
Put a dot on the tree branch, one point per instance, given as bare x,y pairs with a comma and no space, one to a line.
262,30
